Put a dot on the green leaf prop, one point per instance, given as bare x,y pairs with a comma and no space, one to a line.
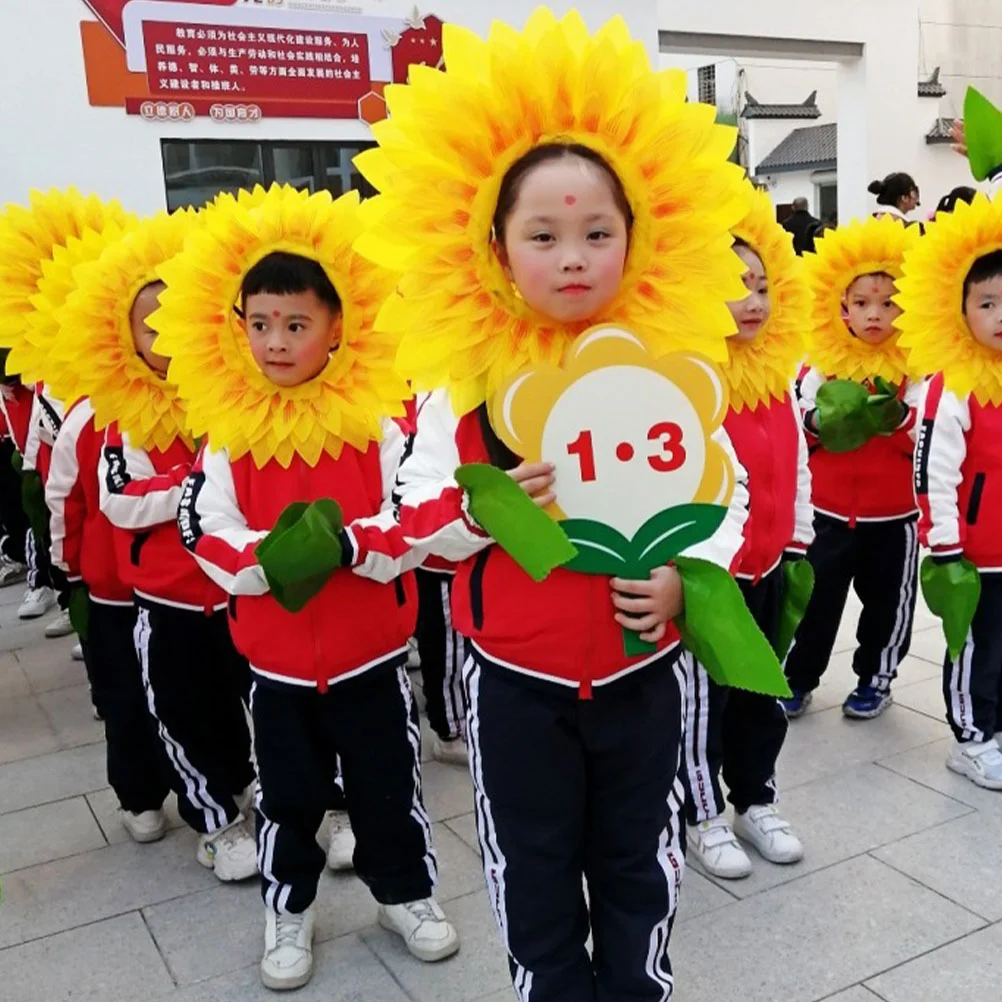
843,422
33,502
79,610
302,551
983,131
952,591
526,533
603,550
722,634
798,584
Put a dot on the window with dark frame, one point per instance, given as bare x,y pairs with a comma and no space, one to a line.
196,171
706,80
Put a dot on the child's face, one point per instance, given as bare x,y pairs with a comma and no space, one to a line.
291,336
566,241
871,313
983,310
143,335
751,313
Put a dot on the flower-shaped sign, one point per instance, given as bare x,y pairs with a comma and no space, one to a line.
639,477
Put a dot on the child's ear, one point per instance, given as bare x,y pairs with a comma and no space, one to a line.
334,331
502,256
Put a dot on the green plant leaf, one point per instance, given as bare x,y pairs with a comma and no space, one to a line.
670,532
526,533
600,548
720,631
983,130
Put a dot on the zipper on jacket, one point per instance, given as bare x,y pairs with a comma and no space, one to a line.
477,588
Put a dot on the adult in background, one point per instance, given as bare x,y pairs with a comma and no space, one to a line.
802,225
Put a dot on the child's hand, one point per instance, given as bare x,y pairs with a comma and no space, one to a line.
648,606
959,136
536,479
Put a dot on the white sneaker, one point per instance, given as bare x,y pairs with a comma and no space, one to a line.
769,834
147,826
77,652
979,761
230,852
36,603
245,800
413,656
288,950
60,626
714,846
11,572
341,847
455,752
423,927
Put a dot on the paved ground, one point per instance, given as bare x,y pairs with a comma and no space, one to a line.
899,897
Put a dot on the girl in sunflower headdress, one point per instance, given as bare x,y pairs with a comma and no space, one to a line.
730,730
952,329
564,184
133,424
268,321
859,408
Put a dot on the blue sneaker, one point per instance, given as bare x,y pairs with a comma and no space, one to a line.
865,703
796,705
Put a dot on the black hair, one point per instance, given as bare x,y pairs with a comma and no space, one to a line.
283,274
511,183
962,194
989,266
893,188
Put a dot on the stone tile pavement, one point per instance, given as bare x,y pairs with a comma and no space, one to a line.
898,899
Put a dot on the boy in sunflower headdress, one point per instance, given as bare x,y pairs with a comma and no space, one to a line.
146,453
268,320
731,731
859,408
952,329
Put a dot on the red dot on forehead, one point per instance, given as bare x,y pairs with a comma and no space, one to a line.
570,199
276,314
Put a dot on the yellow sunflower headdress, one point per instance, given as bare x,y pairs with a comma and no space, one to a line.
934,331
39,247
765,367
842,255
227,397
449,141
95,355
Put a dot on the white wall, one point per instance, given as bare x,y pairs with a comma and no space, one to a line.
964,37
53,137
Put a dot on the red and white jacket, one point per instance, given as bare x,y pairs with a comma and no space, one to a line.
366,611
140,493
83,540
561,629
16,402
43,426
770,444
869,484
958,477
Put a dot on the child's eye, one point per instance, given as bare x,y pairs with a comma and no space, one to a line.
542,238
599,235
295,327
258,326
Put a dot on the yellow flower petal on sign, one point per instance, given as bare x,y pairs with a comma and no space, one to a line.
842,255
763,369
934,331
227,397
443,152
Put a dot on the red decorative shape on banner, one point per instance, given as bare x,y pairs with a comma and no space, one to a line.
421,42
109,13
372,108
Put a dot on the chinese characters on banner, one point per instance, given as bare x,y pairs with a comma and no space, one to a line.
175,60
186,60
